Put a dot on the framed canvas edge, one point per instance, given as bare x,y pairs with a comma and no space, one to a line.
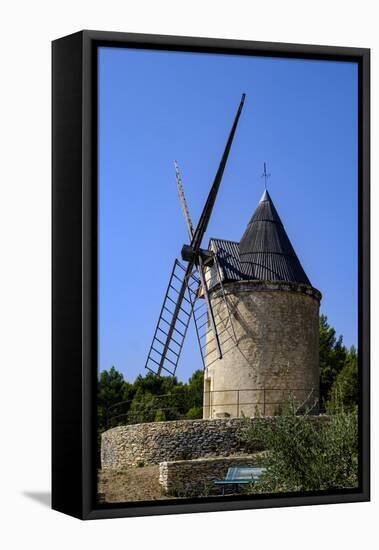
67,364
86,508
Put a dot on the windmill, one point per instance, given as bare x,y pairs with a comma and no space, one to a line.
188,285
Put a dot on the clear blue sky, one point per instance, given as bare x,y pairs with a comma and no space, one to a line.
299,116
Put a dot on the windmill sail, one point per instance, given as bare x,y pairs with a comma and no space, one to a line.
183,202
208,313
220,333
184,291
163,354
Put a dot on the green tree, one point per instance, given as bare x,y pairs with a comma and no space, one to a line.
111,387
160,416
195,412
346,385
196,388
128,392
333,355
149,398
143,408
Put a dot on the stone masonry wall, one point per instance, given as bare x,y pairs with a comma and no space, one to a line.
155,442
187,478
276,326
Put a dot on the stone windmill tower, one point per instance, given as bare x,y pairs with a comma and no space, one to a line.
254,310
268,323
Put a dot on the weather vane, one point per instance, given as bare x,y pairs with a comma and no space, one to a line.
265,175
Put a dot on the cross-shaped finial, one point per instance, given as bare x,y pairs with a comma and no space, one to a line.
265,175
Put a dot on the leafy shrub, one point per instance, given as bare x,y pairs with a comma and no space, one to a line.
304,455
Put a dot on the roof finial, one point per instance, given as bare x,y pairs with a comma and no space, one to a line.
265,175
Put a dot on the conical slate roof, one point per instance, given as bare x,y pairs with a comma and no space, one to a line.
265,250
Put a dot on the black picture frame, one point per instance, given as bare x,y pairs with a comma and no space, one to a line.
74,271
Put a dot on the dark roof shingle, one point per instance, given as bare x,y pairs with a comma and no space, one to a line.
264,253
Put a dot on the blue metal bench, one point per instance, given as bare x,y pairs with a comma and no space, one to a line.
240,476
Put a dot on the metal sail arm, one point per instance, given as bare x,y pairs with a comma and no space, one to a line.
208,207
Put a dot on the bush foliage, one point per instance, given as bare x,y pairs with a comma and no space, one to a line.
304,455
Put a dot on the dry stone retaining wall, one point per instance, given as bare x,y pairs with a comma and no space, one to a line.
155,442
195,477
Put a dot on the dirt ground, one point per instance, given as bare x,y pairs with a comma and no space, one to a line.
130,485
